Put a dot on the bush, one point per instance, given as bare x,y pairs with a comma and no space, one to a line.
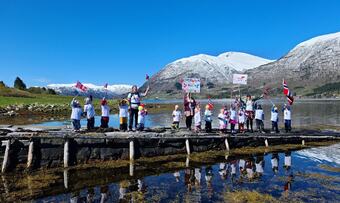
2,84
178,86
210,85
19,84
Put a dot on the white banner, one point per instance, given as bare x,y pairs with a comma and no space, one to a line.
240,79
191,85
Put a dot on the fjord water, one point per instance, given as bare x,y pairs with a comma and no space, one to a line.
304,113
287,176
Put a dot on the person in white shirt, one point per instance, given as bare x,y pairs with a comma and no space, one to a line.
233,118
142,113
197,118
288,160
176,116
76,114
90,113
275,119
208,118
259,117
123,114
287,116
241,120
134,98
105,114
222,118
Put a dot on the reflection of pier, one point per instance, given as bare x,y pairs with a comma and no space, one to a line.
52,148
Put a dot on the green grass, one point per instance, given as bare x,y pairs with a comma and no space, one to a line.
10,96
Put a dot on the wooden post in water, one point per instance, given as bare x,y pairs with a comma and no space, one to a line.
226,144
66,153
30,154
131,168
266,143
187,161
187,146
132,150
7,143
66,178
303,142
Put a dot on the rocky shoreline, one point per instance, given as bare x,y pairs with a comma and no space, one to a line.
35,108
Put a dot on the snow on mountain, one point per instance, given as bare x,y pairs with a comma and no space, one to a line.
212,66
310,64
94,90
212,70
329,154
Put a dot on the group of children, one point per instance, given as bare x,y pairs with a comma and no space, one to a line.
235,115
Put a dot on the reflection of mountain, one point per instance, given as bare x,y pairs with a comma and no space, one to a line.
329,154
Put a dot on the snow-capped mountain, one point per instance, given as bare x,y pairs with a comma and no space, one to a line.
112,91
310,64
213,70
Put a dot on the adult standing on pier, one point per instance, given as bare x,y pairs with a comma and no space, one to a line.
134,98
250,110
189,109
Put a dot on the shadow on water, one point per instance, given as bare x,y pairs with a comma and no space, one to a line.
252,175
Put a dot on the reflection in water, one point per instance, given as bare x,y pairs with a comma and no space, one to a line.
274,173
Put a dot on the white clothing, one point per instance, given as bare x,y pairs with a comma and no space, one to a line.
287,114
288,160
233,115
89,109
249,105
197,118
123,111
274,116
259,114
241,117
141,117
222,118
176,116
105,111
76,113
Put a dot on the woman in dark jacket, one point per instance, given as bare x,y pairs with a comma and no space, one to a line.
189,109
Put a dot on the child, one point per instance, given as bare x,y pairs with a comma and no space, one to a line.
197,118
241,120
176,115
233,119
208,118
76,114
222,120
123,114
288,118
259,116
90,113
105,114
142,113
275,119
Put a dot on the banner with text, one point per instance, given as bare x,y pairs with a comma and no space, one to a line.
191,85
240,79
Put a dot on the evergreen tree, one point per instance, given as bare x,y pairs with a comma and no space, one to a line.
19,84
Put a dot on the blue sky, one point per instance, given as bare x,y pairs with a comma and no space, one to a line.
62,41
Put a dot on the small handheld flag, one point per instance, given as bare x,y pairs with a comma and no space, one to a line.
80,86
287,92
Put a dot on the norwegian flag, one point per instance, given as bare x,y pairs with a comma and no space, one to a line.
211,105
105,85
81,86
288,94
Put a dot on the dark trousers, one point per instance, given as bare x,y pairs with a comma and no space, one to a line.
232,127
175,125
76,124
275,127
133,116
288,125
90,123
208,126
250,123
259,124
104,122
188,122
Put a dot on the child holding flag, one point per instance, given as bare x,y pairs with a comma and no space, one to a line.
142,113
123,114
76,114
275,119
176,116
208,118
90,113
105,114
287,116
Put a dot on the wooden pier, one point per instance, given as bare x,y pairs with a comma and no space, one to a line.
35,148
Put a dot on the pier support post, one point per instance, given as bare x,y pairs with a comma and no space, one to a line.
30,154
66,153
131,168
266,143
303,143
66,178
187,161
226,144
132,150
4,167
187,146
